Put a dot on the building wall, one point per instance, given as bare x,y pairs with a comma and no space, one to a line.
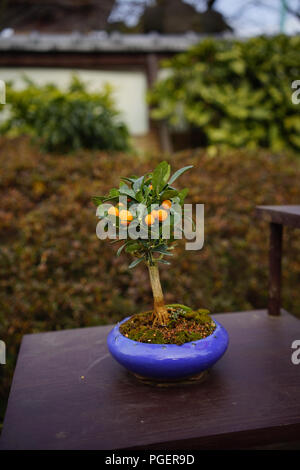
129,89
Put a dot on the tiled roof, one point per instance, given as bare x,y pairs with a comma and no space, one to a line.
97,41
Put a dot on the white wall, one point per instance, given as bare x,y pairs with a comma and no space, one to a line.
129,89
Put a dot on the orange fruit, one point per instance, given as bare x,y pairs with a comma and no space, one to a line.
113,211
162,215
149,219
125,216
155,213
166,204
150,187
120,204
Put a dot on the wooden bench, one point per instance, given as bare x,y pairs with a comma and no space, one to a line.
277,217
68,393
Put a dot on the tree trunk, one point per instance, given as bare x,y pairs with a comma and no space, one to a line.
160,313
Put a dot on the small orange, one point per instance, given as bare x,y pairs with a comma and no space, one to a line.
120,204
125,216
155,213
166,204
162,215
149,219
113,211
150,187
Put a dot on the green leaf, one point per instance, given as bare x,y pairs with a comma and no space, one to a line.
137,184
107,199
162,246
98,200
139,196
163,252
167,173
169,193
135,263
127,191
160,176
182,195
128,180
114,192
146,191
120,249
163,249
179,173
163,261
131,247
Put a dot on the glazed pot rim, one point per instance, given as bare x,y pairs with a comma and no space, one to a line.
160,345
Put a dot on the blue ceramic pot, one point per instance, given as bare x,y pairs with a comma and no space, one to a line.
168,361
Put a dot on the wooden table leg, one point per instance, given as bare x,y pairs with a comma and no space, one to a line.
275,269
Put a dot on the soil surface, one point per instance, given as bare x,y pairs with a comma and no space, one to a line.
184,325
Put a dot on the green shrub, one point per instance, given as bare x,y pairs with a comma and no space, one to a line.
236,93
55,273
64,121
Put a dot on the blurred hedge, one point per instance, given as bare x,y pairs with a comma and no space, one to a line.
55,273
63,121
235,93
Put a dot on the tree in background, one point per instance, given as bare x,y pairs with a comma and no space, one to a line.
142,16
204,16
64,121
233,93
168,17
55,15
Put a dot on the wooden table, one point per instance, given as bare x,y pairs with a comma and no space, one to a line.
68,393
277,217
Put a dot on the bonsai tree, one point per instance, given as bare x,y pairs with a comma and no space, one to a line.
145,215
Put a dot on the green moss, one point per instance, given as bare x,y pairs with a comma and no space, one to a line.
201,316
186,337
184,326
180,306
152,336
181,337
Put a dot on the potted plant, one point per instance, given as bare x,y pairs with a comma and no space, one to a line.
170,342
